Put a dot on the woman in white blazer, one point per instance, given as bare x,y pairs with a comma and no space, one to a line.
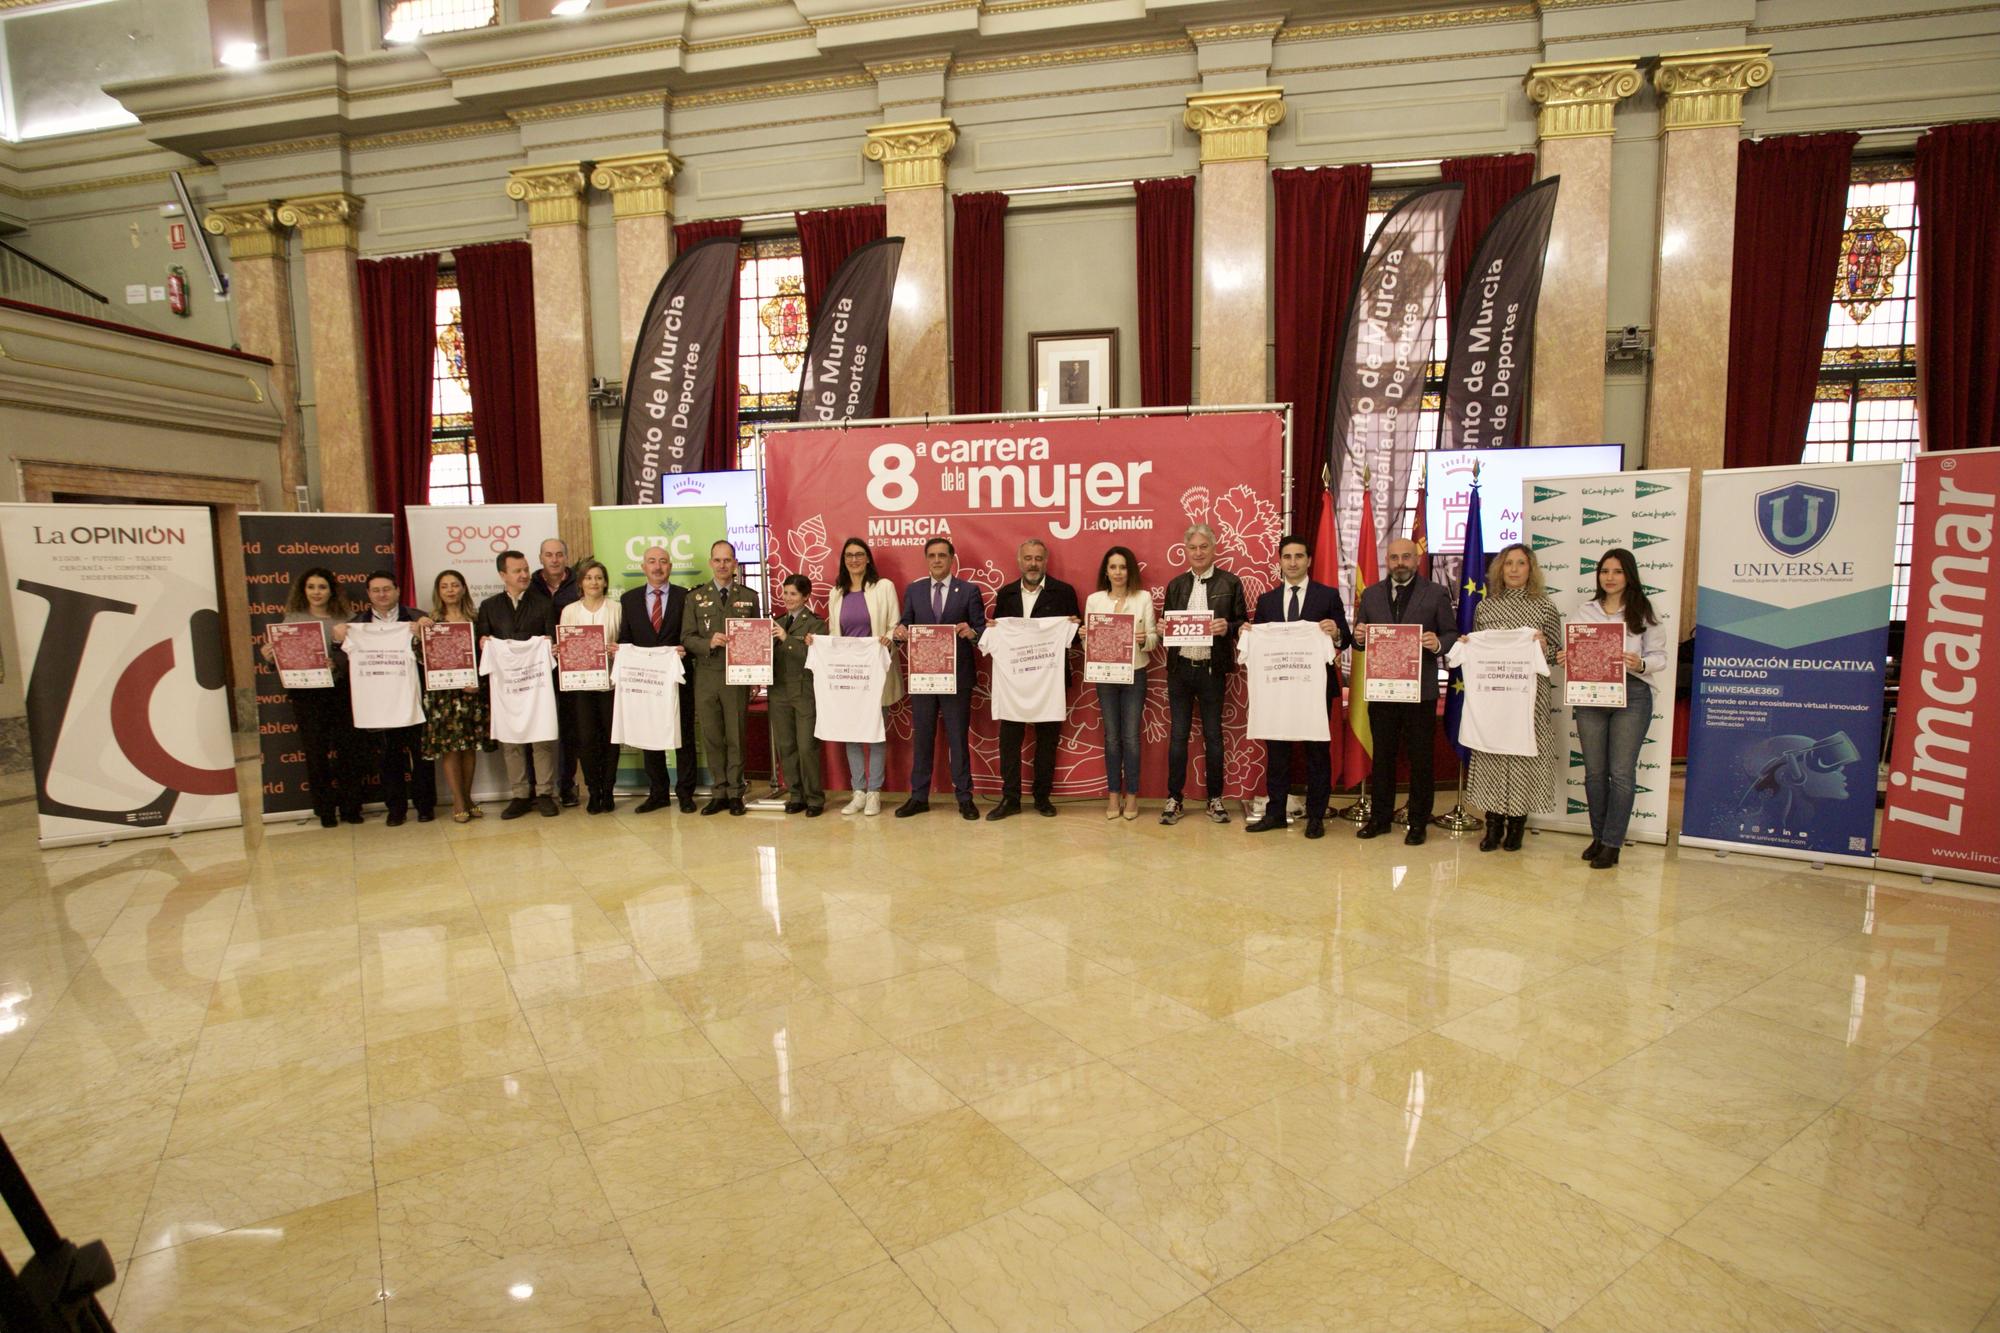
863,602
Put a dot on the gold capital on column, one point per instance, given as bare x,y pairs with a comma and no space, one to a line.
640,184
1235,126
1575,98
1701,89
324,221
912,152
252,230
553,192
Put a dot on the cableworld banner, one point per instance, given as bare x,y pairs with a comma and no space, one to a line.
1079,484
115,610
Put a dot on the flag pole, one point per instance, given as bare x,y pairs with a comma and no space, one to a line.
1456,820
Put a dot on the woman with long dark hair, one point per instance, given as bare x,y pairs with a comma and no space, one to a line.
590,710
1121,592
455,727
860,604
1610,737
325,716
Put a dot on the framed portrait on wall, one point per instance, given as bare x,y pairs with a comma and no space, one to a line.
1073,371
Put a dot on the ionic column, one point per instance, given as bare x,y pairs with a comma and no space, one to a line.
912,155
329,232
1575,101
642,202
553,193
1233,225
260,288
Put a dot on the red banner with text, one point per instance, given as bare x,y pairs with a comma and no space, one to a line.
1942,785
1080,484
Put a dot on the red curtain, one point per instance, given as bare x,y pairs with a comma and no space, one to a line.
826,239
1490,185
496,301
399,338
720,452
1958,286
978,288
1322,213
1791,206
1166,291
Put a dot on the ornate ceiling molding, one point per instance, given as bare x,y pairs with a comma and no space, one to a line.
1447,18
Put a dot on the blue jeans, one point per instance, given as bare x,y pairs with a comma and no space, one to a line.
1121,706
1611,738
866,763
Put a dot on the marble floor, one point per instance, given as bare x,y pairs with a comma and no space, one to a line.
866,1074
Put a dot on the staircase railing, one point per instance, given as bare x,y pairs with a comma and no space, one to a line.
26,278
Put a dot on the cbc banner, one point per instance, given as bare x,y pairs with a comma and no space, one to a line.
1790,648
620,536
467,538
115,611
1570,522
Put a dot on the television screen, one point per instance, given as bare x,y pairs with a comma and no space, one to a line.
1448,475
735,491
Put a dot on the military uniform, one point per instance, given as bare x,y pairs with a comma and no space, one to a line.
722,712
792,714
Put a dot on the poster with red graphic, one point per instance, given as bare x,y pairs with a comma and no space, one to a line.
932,660
1080,485
450,660
1107,648
1395,664
747,648
298,650
583,658
1593,664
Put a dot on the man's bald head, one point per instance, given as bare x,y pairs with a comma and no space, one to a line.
1402,559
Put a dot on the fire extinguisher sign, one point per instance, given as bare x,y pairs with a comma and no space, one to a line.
177,236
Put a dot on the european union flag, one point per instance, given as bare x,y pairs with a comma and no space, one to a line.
1471,588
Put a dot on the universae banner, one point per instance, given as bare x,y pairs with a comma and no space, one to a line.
277,548
1942,786
1080,485
1493,329
670,389
850,336
1791,636
115,613
1569,522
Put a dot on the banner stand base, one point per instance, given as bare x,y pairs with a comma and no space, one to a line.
1818,860
1928,872
122,834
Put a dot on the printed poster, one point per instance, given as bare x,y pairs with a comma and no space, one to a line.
932,658
748,645
299,650
1395,664
1107,647
451,661
1185,629
583,658
1593,664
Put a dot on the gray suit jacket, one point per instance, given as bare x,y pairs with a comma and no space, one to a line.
1426,604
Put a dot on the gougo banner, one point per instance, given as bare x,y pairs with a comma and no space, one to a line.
115,610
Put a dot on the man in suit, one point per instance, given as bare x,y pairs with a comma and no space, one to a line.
943,600
512,614
1199,676
1297,597
556,581
1406,729
1033,594
722,709
650,617
398,752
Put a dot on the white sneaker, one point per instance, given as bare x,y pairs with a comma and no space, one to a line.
853,807
874,806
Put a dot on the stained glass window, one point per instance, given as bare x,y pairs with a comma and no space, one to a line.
454,474
406,20
1430,419
771,337
1865,408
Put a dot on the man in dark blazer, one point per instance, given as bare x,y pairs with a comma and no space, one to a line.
556,581
941,599
650,617
1404,598
397,752
512,614
1200,676
1298,597
1033,594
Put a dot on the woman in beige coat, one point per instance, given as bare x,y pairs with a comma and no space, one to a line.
862,602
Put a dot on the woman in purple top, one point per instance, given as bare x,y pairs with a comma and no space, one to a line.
862,603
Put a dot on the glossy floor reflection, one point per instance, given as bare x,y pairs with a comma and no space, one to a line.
666,1072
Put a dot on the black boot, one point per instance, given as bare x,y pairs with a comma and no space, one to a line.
1516,826
1590,852
1605,859
1495,825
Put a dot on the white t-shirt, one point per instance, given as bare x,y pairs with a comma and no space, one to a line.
382,672
522,701
1029,663
847,687
1500,667
646,709
1287,663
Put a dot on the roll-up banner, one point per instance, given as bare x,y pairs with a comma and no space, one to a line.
1570,522
468,538
277,548
620,536
1790,641
128,677
850,336
670,389
1943,788
1493,329
1379,378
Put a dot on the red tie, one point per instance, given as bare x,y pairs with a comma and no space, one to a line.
658,615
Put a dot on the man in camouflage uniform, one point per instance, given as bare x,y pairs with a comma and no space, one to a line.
722,711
